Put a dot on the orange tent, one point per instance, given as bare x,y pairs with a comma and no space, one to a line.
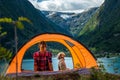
82,57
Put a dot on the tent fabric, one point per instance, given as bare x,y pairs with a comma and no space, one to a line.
81,56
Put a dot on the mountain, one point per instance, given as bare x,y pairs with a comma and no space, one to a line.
60,18
40,24
72,22
102,31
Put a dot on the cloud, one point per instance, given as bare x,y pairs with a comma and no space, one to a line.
66,5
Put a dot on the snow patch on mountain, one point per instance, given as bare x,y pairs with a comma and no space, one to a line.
65,16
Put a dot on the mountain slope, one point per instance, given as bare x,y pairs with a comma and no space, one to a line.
102,31
72,22
40,24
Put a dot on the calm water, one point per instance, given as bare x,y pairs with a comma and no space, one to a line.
112,65
28,64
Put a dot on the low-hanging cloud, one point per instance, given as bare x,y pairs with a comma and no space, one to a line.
66,5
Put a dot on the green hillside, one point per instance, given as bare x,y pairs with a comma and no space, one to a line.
40,24
102,31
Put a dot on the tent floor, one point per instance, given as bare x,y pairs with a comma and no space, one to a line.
32,73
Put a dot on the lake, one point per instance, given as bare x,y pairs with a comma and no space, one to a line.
112,65
28,64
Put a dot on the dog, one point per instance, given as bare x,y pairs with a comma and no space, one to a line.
61,62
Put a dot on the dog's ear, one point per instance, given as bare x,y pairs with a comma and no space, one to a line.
59,56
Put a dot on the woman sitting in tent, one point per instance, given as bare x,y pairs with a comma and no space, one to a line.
42,58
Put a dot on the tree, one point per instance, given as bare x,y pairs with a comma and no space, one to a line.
2,33
17,24
4,53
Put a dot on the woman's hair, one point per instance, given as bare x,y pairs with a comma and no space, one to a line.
43,43
61,55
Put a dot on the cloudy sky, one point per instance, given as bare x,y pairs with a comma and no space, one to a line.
66,5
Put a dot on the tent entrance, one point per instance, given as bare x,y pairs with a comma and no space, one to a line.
55,48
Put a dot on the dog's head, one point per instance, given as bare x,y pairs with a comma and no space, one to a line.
61,55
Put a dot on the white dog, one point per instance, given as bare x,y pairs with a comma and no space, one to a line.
61,63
